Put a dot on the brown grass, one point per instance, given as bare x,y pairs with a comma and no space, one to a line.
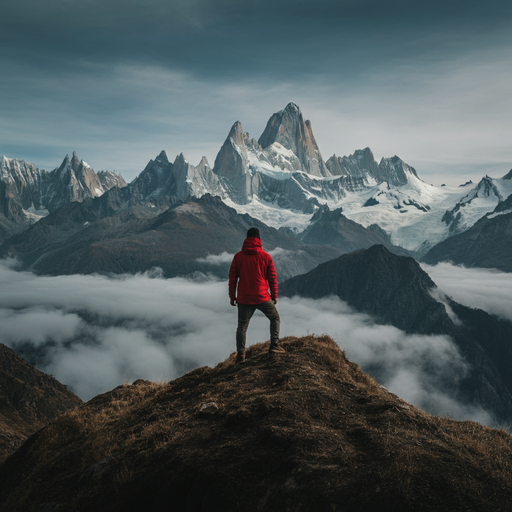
306,430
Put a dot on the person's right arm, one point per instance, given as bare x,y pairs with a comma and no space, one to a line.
272,280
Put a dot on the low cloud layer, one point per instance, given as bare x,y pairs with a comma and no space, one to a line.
99,332
487,289
216,259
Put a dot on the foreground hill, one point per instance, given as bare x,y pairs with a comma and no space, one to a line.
29,399
395,290
306,430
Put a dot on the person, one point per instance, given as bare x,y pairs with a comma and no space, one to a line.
251,275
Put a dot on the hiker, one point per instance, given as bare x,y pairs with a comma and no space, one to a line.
251,274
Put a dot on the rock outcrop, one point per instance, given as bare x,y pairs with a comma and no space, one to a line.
288,128
232,166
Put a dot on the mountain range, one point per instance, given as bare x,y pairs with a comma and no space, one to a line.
281,180
28,194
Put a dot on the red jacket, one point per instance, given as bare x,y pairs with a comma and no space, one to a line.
253,270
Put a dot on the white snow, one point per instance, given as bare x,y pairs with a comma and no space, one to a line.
411,214
505,212
267,168
272,215
34,214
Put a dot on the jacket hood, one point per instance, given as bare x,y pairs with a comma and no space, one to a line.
252,245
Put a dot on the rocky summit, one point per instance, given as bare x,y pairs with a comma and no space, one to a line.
301,431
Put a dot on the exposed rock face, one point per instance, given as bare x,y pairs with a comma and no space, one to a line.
180,179
396,291
75,180
232,166
154,181
333,228
304,431
395,171
29,399
361,164
23,183
190,181
288,128
487,244
27,193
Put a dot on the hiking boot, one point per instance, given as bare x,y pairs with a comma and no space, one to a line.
276,348
240,357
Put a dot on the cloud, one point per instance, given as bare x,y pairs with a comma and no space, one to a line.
98,332
487,289
216,259
37,326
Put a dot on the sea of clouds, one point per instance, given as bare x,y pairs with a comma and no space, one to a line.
95,332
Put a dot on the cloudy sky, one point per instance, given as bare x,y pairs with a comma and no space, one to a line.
119,80
101,332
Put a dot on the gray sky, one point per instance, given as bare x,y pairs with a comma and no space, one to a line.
118,81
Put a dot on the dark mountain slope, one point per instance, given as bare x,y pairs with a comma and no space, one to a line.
396,291
29,399
333,228
112,214
487,244
85,239
393,288
303,431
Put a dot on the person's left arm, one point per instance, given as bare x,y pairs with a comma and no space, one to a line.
233,281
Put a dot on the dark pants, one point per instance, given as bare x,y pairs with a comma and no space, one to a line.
245,312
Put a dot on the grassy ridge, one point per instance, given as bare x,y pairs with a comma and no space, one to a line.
306,430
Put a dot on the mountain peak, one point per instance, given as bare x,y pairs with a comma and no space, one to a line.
289,128
292,109
236,134
162,156
232,166
393,288
180,159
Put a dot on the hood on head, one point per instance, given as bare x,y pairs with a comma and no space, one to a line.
252,245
